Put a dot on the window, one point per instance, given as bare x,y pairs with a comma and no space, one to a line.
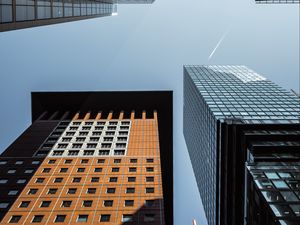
94,139
149,218
28,171
4,205
63,170
52,191
105,218
88,152
91,191
87,203
96,133
80,139
32,191
119,152
82,218
149,160
39,180
66,204
3,181
60,218
84,161
133,160
104,152
73,152
113,179
150,190
100,123
19,162
91,145
11,171
117,160
95,179
110,190
132,169
108,203
131,179
3,162
45,204
149,169
71,191
108,139
37,218
58,153
80,170
98,169
149,203
24,204
76,179
127,218
115,169
83,133
149,179
128,203
58,180
121,145
130,190
13,192
46,170
76,145
15,219
68,161
100,160
51,161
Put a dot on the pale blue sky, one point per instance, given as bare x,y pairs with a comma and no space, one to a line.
144,48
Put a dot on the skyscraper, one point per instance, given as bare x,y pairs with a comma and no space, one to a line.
18,14
91,158
242,129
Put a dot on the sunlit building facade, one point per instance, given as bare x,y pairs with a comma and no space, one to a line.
95,166
241,128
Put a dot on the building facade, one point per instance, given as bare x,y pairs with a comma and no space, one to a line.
222,106
96,166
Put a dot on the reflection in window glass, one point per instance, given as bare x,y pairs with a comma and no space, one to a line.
289,196
281,210
296,209
272,196
272,175
280,184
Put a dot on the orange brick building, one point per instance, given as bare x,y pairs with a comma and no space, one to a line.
97,165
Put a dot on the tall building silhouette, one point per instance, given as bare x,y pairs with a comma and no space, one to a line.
91,158
243,136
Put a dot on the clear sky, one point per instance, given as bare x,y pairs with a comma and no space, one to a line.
144,48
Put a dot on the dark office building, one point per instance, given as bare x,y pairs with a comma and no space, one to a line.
91,158
242,132
277,1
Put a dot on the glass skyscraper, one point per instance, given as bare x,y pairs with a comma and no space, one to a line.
225,110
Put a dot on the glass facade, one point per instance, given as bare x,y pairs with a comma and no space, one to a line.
215,97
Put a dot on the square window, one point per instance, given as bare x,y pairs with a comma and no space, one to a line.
24,204
19,162
60,218
15,219
115,169
113,179
130,190
100,160
149,160
72,191
88,152
68,161
11,171
95,179
3,162
35,162
66,204
58,180
32,191
4,205
129,203
131,179
98,169
28,171
63,170
37,218
149,169
149,218
76,179
91,191
21,181
3,181
45,204
46,170
52,191
39,180
80,170
87,203
108,203
82,218
133,160
127,218
110,190
105,218
149,179
84,161
149,203
117,160
132,169
51,161
13,192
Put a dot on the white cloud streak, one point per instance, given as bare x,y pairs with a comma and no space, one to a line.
218,44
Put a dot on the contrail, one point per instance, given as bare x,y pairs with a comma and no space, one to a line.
218,44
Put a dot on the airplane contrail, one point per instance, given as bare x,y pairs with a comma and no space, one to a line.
218,44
